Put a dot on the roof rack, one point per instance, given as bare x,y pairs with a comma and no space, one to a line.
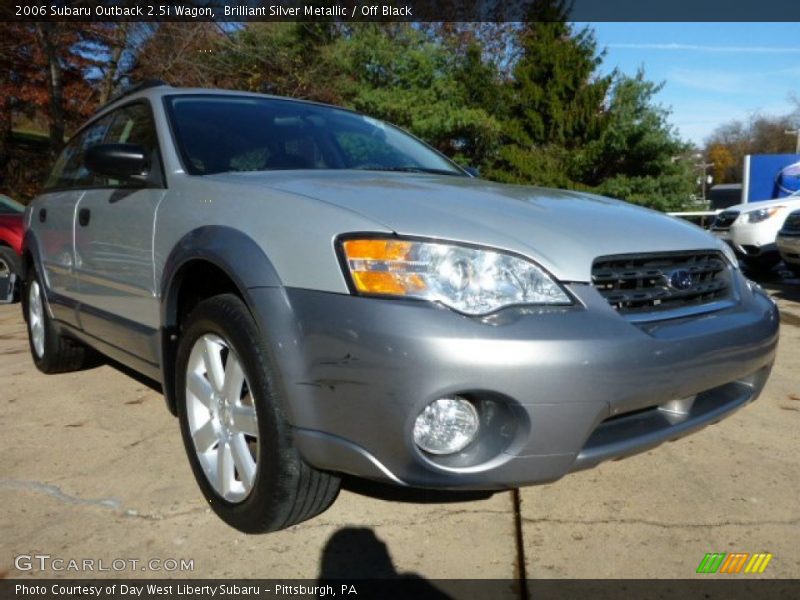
137,87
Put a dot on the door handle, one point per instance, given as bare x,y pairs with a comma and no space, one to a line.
42,215
84,215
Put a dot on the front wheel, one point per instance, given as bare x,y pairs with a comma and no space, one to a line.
10,264
51,351
233,426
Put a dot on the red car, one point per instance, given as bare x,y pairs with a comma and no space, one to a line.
11,232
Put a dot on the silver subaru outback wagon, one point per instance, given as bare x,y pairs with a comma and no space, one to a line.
319,293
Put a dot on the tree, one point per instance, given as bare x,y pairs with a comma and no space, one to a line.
42,76
637,155
724,169
760,134
524,102
182,54
111,53
402,74
291,59
554,101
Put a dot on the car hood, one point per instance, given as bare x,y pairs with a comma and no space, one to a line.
789,203
563,231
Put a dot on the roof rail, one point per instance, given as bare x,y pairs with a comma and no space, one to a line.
137,87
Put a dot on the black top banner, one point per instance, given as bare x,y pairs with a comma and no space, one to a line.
400,10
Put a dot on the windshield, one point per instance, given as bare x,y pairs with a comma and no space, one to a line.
220,133
10,207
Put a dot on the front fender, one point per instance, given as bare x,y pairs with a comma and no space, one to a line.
31,247
238,255
234,253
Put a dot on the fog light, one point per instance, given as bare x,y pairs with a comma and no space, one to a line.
446,426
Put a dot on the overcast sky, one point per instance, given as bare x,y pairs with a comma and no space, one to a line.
714,72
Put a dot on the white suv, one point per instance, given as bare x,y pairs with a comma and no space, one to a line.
789,242
751,229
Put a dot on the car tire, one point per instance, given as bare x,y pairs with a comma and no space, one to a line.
10,264
229,401
52,352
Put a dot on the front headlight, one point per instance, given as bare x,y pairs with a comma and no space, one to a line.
762,214
470,280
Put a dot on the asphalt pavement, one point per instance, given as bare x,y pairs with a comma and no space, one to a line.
93,468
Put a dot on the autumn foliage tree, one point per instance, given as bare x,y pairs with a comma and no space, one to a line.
724,167
183,54
42,75
727,146
524,102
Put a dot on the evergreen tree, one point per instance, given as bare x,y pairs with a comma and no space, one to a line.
555,99
638,156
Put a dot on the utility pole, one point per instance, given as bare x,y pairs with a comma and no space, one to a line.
704,179
795,132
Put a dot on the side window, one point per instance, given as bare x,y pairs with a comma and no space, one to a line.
69,170
129,125
133,124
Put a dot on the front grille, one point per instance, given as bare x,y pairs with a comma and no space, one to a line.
725,219
644,283
791,226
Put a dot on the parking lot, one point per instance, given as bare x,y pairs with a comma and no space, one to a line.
93,468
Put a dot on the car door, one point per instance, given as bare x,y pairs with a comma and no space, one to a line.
114,245
53,217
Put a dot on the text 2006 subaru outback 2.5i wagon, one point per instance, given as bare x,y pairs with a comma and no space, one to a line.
321,293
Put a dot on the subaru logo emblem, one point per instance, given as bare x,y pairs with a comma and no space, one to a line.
680,280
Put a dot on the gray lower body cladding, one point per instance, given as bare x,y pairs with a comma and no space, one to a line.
558,389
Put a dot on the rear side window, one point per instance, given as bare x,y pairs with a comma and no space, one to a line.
69,170
132,124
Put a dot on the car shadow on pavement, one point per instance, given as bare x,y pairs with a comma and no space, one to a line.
135,375
356,553
780,282
394,493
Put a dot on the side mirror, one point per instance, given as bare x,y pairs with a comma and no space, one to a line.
118,161
473,171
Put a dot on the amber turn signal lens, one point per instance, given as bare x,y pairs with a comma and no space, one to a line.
378,267
393,284
376,249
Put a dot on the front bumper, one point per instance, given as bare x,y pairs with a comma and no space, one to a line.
789,247
564,388
749,240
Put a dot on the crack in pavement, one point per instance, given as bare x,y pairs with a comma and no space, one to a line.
661,524
56,492
110,503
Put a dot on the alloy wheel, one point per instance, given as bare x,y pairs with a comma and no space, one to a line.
36,318
222,417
